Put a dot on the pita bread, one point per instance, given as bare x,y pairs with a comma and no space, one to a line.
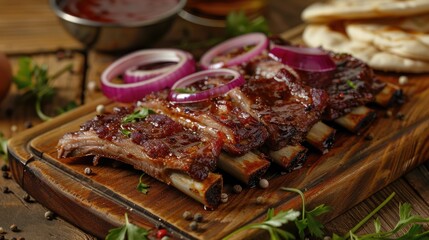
360,9
320,35
406,37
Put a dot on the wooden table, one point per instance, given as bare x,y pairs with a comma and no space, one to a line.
31,29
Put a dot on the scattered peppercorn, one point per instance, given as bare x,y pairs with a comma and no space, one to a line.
403,80
400,116
193,226
92,86
237,188
187,215
369,137
87,171
198,217
28,124
224,197
27,198
21,238
388,114
5,168
165,238
13,128
2,230
327,238
263,183
14,228
6,190
49,215
260,200
100,109
6,175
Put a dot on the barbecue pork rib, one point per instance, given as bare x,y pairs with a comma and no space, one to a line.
217,116
275,95
150,142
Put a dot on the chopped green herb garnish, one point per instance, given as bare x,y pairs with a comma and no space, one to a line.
185,90
351,84
128,231
137,115
143,187
34,80
69,106
126,132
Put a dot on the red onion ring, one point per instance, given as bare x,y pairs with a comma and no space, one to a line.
237,81
302,58
134,74
258,39
129,92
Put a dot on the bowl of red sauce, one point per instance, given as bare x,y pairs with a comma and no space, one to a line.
117,25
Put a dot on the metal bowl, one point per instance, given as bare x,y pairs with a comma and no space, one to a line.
116,37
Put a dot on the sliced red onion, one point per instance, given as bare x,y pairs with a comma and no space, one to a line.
134,74
259,40
133,91
236,81
302,58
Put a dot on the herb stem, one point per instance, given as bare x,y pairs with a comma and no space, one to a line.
363,221
39,111
302,197
67,68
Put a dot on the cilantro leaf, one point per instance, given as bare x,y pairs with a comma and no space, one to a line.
137,115
129,230
351,84
142,187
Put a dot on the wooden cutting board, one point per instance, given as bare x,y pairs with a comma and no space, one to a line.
353,170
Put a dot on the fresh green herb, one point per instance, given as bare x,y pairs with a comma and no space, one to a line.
142,187
308,221
237,23
128,231
137,115
3,147
185,90
34,80
351,84
406,220
272,224
126,132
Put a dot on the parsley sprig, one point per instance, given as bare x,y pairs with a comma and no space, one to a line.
137,115
34,80
128,231
142,187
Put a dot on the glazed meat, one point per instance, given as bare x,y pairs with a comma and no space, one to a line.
275,95
148,141
219,117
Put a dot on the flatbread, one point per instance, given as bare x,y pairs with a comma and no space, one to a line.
406,37
361,9
321,35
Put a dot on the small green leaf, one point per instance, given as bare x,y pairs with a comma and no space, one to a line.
185,90
23,77
128,231
126,132
237,23
142,187
137,115
351,84
69,106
